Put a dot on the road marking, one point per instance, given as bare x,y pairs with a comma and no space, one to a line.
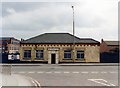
21,72
102,81
31,72
113,72
57,72
66,72
103,72
75,72
40,72
38,84
35,82
94,72
84,72
48,72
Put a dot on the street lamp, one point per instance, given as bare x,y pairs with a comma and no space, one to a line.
73,34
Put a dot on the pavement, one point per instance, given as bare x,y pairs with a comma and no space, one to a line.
64,64
90,64
16,80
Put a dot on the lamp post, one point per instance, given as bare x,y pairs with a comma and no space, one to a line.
73,35
73,21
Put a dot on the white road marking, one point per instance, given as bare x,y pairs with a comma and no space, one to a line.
35,82
57,72
103,72
94,72
40,72
38,84
75,72
113,72
103,83
31,72
21,72
84,72
66,72
48,72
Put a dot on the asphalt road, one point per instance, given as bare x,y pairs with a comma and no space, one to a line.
72,76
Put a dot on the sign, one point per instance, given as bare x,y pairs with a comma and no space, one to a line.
10,57
18,56
13,56
53,49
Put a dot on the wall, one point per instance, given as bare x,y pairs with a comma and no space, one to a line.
91,52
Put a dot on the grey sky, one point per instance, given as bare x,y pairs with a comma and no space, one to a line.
93,18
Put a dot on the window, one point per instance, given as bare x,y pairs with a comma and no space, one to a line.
80,54
67,54
9,48
27,53
14,48
39,54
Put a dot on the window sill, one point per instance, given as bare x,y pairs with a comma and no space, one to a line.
67,59
80,59
26,58
39,58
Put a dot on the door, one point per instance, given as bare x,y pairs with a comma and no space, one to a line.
53,57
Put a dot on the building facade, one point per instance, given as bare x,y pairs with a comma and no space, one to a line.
54,48
109,46
109,51
9,45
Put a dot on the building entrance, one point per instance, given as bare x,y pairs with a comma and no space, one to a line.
53,58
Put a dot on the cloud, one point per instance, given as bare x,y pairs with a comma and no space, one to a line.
10,10
96,19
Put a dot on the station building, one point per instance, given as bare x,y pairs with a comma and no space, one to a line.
55,48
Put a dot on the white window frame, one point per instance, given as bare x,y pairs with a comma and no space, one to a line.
40,53
80,52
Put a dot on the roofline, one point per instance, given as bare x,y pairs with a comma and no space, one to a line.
25,41
62,43
1,38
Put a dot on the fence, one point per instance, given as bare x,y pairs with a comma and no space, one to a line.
109,57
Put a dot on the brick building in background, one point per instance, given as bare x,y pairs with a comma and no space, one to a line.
109,51
54,48
9,45
109,46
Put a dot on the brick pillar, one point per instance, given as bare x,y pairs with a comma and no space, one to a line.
33,54
21,53
45,54
61,56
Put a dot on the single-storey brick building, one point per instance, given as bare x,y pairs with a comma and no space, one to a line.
54,48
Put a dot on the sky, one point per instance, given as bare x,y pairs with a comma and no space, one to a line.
97,19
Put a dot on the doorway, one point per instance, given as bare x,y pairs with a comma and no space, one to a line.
53,57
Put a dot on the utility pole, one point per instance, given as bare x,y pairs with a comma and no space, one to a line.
73,35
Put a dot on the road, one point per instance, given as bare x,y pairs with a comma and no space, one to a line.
54,75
